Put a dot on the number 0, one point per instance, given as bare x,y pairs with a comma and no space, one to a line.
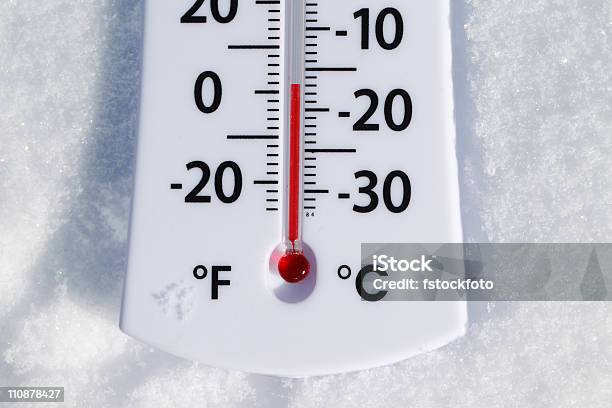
217,92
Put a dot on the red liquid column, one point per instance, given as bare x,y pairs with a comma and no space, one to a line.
295,164
293,266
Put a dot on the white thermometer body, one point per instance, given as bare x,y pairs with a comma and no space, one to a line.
275,138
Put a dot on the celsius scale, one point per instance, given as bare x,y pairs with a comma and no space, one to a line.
277,136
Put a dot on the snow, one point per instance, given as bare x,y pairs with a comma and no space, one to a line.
176,300
541,86
182,387
534,110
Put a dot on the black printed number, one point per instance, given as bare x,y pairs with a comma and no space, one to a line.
195,197
392,122
217,92
237,174
367,190
388,186
364,15
190,15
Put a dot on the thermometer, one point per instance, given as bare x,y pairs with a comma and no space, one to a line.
293,266
276,138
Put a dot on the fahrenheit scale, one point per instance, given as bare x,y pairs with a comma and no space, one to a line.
277,136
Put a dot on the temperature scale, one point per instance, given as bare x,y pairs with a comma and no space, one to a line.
277,136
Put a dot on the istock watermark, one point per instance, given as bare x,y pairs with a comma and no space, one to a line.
384,263
485,272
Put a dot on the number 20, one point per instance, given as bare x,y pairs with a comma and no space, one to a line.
190,17
195,197
363,125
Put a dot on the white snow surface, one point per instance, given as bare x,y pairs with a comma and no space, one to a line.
533,92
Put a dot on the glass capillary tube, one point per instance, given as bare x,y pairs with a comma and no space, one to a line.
293,119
